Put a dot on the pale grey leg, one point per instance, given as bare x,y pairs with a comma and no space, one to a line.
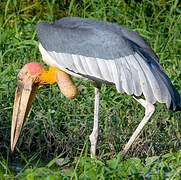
94,135
149,110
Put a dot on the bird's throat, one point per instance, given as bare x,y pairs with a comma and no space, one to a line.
48,77
64,81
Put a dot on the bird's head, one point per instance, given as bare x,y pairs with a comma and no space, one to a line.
30,78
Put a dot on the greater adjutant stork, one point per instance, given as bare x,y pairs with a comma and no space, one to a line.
100,52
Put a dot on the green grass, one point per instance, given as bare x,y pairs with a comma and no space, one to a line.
57,126
156,167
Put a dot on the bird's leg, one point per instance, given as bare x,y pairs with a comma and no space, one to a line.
149,110
94,135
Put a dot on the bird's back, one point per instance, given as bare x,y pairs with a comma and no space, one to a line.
91,38
108,53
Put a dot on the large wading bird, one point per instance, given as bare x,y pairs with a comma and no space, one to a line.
100,52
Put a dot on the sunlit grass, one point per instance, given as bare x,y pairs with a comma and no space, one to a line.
56,125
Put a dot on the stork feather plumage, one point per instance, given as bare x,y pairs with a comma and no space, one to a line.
107,53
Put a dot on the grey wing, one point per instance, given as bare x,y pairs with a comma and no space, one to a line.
121,31
89,38
135,38
100,52
131,74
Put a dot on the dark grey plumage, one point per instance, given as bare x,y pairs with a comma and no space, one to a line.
108,53
90,37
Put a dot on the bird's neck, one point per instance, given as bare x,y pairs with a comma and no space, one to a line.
64,81
48,77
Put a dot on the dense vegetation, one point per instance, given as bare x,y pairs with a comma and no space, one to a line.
60,128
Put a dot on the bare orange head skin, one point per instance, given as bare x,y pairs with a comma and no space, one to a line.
30,78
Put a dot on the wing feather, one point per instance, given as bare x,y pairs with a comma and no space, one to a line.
78,64
131,74
135,77
165,95
159,89
127,74
115,74
143,81
85,65
105,72
117,78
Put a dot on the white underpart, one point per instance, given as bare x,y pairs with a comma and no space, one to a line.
131,74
